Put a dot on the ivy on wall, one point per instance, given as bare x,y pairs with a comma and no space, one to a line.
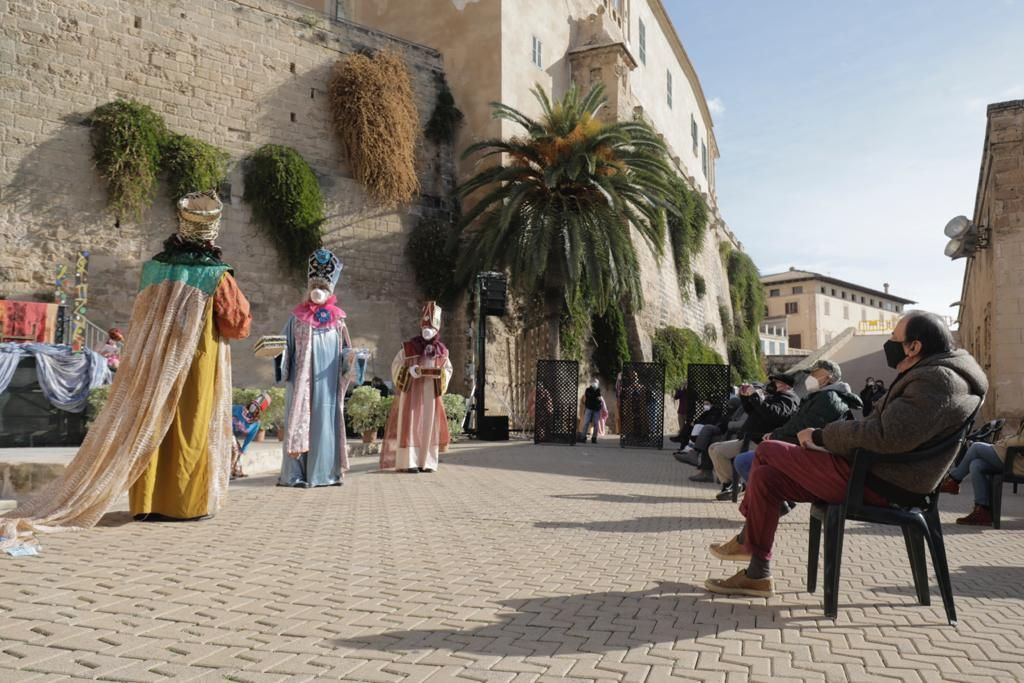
286,202
432,258
611,343
677,347
743,335
132,147
687,229
375,116
127,139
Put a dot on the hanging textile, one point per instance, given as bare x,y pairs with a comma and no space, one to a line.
66,378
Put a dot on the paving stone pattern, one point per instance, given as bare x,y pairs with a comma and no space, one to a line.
515,563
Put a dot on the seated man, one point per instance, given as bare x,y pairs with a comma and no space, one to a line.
828,399
936,391
981,462
765,412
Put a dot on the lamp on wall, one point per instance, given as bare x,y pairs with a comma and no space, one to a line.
965,238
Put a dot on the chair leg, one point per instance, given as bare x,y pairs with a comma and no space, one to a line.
813,550
997,501
914,538
835,526
735,482
937,546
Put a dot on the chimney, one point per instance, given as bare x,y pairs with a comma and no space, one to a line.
886,287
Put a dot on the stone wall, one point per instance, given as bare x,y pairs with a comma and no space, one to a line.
992,306
235,73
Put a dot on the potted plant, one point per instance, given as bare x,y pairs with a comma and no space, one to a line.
455,410
363,409
273,418
383,410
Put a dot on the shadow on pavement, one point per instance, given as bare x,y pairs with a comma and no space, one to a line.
645,525
994,582
594,623
630,498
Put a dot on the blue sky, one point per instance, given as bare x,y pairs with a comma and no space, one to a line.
851,131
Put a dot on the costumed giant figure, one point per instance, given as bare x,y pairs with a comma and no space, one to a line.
166,428
315,364
417,428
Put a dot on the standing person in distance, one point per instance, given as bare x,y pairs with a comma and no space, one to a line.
592,404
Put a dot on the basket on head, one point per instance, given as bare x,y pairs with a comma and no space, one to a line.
199,216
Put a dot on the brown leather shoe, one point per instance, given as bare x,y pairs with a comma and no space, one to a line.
740,584
949,485
730,551
979,517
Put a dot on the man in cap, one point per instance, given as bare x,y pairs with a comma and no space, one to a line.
765,411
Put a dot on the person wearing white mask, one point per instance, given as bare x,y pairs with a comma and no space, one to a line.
316,366
417,428
828,399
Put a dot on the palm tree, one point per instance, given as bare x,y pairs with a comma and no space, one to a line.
559,209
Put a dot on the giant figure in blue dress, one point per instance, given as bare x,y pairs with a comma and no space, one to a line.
315,365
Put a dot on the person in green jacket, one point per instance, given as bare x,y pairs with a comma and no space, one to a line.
828,399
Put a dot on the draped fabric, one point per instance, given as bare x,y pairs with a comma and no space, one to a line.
167,320
66,378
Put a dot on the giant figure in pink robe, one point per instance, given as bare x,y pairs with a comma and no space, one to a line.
417,428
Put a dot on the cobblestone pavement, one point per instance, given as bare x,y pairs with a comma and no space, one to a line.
513,563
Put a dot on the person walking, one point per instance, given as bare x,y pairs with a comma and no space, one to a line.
592,404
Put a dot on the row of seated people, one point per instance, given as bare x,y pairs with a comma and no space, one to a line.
804,449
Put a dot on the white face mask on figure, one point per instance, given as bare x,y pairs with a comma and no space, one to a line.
428,333
811,384
318,296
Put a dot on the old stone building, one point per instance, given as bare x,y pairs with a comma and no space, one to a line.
236,74
497,50
991,316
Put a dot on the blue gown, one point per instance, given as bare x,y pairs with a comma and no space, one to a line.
321,465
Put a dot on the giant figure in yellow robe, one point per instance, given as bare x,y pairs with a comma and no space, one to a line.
166,429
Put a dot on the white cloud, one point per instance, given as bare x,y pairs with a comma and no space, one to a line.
716,105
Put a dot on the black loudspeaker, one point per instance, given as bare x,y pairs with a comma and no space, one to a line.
493,428
492,294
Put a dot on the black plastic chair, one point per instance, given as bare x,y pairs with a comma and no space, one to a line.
918,519
1007,476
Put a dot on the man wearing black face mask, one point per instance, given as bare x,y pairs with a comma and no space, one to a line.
937,389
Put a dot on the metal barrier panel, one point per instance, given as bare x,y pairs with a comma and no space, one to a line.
706,382
642,405
556,401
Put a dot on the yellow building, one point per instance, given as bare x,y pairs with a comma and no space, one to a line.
992,303
818,308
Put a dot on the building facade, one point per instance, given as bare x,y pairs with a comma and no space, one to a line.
818,308
774,336
498,51
991,319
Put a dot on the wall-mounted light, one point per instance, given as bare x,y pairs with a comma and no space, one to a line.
965,238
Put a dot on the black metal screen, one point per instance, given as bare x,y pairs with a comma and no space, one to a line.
705,382
642,405
556,402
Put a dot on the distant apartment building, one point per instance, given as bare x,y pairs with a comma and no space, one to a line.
774,336
817,308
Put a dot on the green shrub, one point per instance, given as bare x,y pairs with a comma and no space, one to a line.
455,410
193,165
574,326
433,262
127,139
700,286
743,337
242,397
678,347
364,409
687,227
98,398
286,202
274,415
611,343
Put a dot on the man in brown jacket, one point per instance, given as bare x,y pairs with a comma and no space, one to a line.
938,388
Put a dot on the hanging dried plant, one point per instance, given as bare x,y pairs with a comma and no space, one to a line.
375,116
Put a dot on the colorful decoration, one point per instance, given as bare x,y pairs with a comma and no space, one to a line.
78,322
